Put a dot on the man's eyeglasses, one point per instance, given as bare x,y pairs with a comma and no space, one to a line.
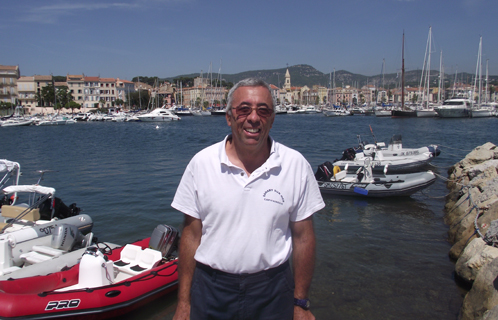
244,111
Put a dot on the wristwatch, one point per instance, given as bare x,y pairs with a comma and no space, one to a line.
303,303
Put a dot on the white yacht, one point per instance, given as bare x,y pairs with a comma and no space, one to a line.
159,115
454,108
484,110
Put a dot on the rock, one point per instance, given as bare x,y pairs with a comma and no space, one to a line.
483,296
474,257
491,314
473,185
488,215
489,190
480,154
463,215
487,168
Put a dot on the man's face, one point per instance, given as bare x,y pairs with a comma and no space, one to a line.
251,131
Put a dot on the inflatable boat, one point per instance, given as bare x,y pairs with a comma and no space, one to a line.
42,229
108,281
363,182
391,159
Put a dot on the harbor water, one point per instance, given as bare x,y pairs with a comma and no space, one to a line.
376,258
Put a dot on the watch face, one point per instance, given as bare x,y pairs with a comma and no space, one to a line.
303,303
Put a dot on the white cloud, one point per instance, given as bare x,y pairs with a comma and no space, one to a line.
51,13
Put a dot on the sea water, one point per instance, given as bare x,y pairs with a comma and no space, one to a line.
376,258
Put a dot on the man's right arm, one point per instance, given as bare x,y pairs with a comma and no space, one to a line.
189,242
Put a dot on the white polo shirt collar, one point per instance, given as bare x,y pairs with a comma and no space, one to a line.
273,160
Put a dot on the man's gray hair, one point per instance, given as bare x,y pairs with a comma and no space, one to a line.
249,82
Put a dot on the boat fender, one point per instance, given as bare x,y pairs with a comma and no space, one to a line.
337,169
361,191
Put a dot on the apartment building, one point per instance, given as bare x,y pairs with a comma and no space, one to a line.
26,93
108,92
8,83
124,88
76,86
91,92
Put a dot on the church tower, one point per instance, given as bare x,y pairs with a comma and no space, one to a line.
287,85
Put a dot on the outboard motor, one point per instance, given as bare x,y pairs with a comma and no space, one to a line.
434,150
61,210
165,239
67,237
96,269
395,144
324,172
348,154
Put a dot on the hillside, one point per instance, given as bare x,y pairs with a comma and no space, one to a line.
303,74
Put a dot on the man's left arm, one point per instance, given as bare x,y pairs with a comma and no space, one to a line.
303,261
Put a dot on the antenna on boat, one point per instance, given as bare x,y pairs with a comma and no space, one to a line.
373,135
42,172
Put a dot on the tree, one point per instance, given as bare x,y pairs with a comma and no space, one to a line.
48,95
102,102
136,97
64,97
39,99
73,105
185,81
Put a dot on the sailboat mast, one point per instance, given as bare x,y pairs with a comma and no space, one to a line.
428,67
486,92
403,73
441,80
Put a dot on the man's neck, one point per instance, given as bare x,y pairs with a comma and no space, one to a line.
247,159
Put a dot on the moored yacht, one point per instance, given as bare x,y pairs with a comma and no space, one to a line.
454,108
159,115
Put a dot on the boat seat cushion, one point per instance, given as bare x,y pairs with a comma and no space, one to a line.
33,257
340,175
149,258
129,255
9,211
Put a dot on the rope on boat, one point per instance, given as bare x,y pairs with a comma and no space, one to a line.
440,145
454,155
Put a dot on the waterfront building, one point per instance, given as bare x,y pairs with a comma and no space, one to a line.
91,92
8,83
123,88
76,86
26,93
275,93
107,92
164,94
322,93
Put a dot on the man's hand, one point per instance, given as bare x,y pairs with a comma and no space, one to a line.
301,314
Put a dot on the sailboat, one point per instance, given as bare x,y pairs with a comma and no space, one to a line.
385,110
404,112
481,110
427,110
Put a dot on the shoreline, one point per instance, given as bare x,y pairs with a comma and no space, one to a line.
471,212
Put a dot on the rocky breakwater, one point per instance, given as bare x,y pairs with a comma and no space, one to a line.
472,214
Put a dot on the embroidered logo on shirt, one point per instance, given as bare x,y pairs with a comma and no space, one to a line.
273,196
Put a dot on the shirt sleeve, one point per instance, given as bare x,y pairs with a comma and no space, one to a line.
186,199
310,198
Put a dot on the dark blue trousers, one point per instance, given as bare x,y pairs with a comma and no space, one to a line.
265,295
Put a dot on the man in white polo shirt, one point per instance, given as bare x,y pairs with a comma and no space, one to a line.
248,203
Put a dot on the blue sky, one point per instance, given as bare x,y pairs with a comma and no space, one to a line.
167,38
